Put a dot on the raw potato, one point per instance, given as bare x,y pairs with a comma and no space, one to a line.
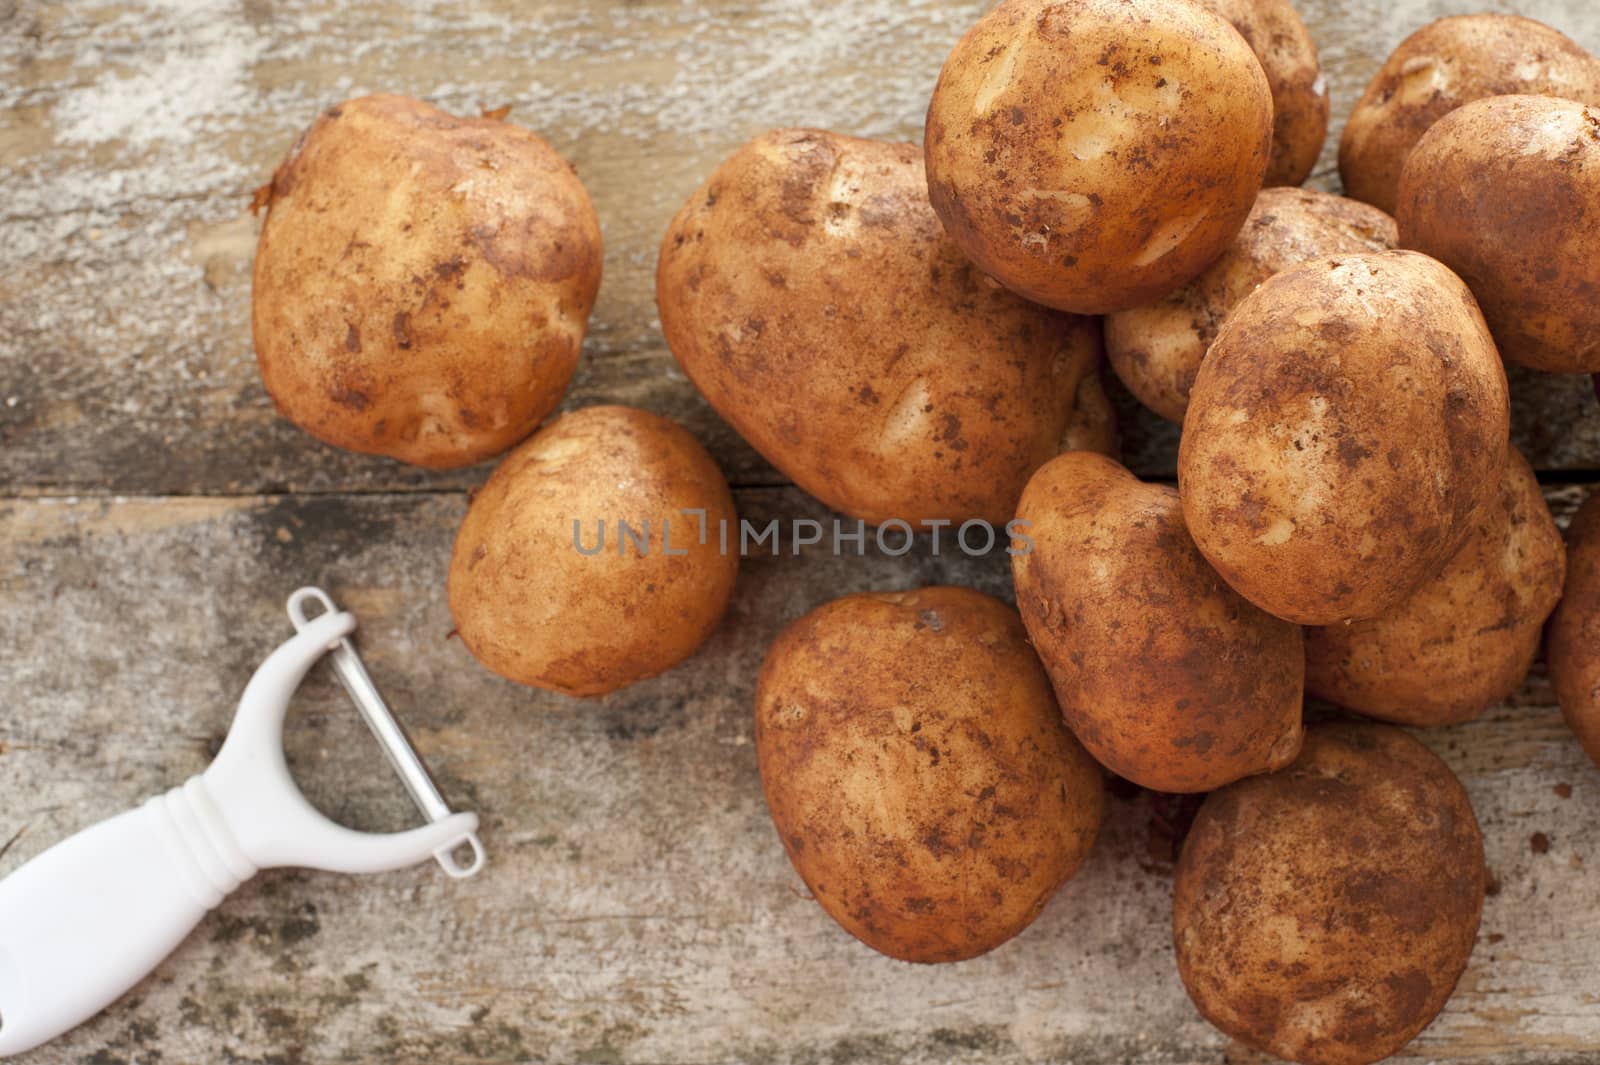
1506,192
1465,639
1094,155
918,771
422,281
1574,654
1324,913
1345,427
1443,65
1157,349
1288,56
810,293
535,602
1111,580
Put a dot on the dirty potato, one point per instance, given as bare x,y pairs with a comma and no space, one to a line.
1156,350
1288,56
594,557
1464,640
1343,430
1574,652
1445,64
1094,155
810,293
1506,192
1109,577
422,282
1324,913
918,771
1345,427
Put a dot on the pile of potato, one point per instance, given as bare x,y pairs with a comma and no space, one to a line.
917,334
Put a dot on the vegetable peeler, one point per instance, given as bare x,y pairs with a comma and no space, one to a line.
92,916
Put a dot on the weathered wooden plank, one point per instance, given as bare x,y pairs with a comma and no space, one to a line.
133,134
638,906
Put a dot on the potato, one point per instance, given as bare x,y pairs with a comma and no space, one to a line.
422,281
1443,65
810,293
594,557
1094,155
1156,349
1275,32
918,772
1345,427
1464,640
1574,653
1110,578
1324,913
1506,192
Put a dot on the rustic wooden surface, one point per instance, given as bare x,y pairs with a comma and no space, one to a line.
154,514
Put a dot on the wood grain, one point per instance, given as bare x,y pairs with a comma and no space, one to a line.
154,513
134,136
638,905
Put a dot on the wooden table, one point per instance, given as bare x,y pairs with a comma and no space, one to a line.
154,513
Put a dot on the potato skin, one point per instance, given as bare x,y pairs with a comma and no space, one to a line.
1156,350
1113,578
1350,419
918,772
1574,650
1506,192
809,292
1094,155
534,609
1288,56
1445,64
422,282
1464,640
1324,913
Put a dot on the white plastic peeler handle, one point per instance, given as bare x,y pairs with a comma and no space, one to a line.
88,919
